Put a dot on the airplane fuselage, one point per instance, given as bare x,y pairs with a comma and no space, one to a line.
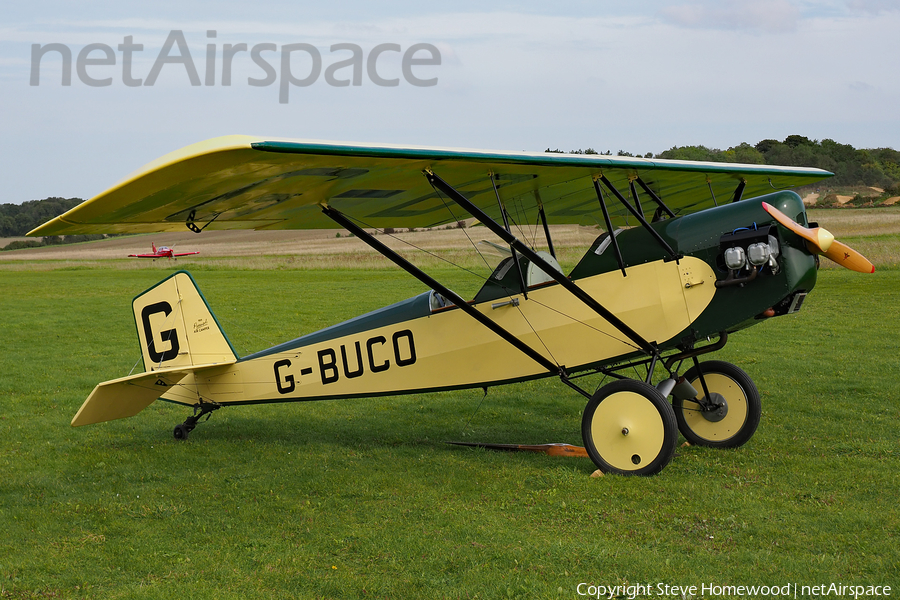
418,345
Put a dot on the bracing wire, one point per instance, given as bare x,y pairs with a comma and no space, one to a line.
474,245
509,292
472,416
576,320
134,366
589,326
423,250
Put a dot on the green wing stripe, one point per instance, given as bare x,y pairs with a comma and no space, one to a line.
542,159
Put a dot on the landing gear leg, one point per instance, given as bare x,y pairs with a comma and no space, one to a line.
182,431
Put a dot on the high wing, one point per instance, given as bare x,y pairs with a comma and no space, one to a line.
242,182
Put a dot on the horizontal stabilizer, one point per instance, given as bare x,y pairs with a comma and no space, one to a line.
128,396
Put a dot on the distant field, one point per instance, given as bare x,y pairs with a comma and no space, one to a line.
858,221
4,241
874,232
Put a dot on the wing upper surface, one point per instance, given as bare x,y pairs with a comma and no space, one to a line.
240,182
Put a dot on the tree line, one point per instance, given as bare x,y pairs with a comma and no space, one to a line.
879,167
18,219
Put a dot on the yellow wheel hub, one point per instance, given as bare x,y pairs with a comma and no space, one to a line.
627,431
716,431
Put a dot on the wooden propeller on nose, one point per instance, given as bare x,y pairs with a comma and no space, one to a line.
821,241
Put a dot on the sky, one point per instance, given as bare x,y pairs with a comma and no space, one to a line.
633,75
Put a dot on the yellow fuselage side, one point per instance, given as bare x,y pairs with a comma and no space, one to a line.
448,349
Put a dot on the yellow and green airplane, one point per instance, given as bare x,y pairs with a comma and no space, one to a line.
690,252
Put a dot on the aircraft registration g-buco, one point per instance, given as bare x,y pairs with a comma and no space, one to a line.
689,253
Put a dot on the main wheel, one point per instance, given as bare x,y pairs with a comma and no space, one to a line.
629,428
733,411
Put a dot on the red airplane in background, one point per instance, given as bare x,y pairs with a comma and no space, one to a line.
162,252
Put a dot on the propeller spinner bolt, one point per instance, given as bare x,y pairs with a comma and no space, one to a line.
624,431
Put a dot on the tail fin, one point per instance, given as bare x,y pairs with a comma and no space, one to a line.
153,245
179,336
176,327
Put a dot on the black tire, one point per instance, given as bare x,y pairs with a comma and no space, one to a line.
181,432
629,428
742,411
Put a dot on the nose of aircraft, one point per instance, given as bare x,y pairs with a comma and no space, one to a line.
821,241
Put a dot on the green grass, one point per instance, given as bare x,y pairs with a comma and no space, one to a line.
362,499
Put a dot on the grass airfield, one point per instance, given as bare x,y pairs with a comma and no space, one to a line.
363,499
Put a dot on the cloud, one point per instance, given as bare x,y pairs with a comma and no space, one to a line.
860,86
764,16
873,7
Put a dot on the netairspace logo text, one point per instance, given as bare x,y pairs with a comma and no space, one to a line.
708,590
300,64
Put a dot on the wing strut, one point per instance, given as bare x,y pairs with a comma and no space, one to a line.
511,249
543,216
609,227
531,255
450,295
711,192
639,217
634,195
655,198
739,191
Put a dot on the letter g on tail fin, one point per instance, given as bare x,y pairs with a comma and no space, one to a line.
176,327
